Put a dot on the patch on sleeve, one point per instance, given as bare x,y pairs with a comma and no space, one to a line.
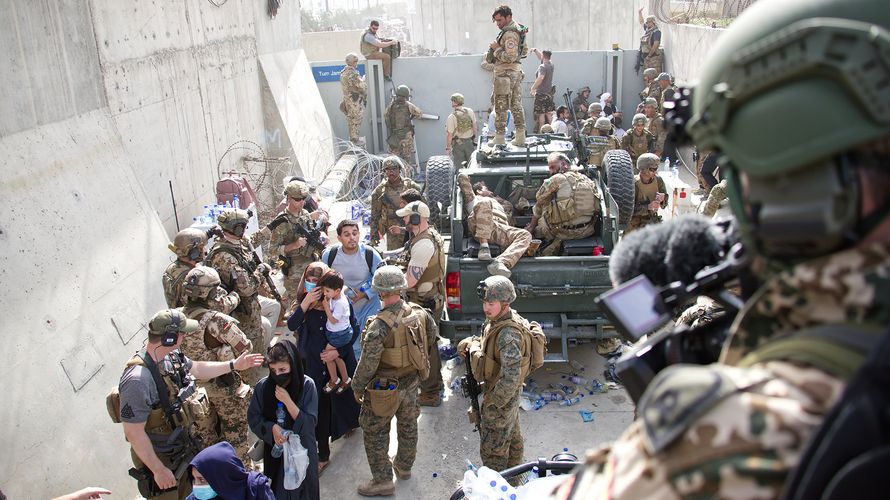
127,412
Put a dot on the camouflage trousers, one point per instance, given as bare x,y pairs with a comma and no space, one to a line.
512,240
250,319
376,432
638,221
555,235
508,95
405,151
500,437
230,403
292,280
355,112
655,60
715,197
461,151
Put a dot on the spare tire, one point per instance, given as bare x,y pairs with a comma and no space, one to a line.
620,177
439,182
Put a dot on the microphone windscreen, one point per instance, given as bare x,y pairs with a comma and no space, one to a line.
641,252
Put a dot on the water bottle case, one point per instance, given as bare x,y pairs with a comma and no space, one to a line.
382,395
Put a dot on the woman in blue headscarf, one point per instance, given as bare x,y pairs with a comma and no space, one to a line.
217,472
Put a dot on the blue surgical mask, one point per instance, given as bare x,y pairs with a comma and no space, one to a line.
203,492
309,286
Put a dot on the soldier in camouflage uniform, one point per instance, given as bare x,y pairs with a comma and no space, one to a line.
650,86
188,245
557,215
218,338
232,257
506,53
650,43
715,198
287,245
760,406
386,354
594,111
650,193
638,140
487,221
601,128
500,360
581,104
666,89
355,95
385,202
398,116
655,124
460,132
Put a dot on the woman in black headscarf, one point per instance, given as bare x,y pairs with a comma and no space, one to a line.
288,385
217,473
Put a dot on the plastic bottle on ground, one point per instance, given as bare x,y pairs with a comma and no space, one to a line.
571,401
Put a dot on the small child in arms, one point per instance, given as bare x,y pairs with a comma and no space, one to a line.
337,329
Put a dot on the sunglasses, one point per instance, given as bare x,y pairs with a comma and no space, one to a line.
298,199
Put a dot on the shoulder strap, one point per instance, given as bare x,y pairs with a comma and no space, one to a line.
163,395
369,259
332,255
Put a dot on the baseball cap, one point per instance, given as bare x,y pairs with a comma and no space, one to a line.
160,321
418,207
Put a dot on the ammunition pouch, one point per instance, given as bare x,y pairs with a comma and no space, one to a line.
502,85
383,402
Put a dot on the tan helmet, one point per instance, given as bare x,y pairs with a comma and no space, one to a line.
650,72
546,128
234,221
189,243
296,189
665,76
200,281
595,108
651,101
647,160
639,118
496,289
458,99
403,91
603,123
388,279
392,162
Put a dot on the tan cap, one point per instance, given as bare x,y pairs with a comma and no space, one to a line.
417,207
160,321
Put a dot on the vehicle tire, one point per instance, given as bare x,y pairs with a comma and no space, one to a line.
620,176
439,182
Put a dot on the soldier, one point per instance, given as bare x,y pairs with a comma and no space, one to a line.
650,43
164,436
566,206
355,95
506,53
372,45
650,86
597,149
581,104
399,115
639,140
655,124
487,220
650,193
393,348
828,266
500,360
218,338
188,245
666,89
385,202
460,132
425,276
287,245
232,256
543,89
594,111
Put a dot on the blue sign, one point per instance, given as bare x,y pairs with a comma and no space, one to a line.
332,73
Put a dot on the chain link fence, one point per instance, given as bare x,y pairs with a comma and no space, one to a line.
714,13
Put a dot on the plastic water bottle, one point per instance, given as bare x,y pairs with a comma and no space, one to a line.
485,133
277,450
578,380
235,202
675,171
570,401
471,466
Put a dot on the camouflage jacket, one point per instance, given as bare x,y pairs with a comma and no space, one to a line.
233,262
385,202
174,278
744,437
354,88
217,338
655,126
715,198
636,145
284,234
508,346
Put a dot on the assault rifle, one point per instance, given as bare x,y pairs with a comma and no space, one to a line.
580,148
252,266
470,389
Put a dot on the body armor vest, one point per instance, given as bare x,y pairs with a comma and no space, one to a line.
487,362
367,48
404,348
435,270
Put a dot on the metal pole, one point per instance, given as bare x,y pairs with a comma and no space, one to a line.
173,199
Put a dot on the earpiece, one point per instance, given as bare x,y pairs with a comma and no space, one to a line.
171,331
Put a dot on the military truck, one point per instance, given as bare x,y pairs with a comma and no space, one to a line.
556,291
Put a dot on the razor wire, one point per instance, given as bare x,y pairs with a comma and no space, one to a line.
715,13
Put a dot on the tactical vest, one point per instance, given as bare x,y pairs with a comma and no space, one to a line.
174,277
399,118
223,245
435,270
367,48
487,361
598,146
639,144
575,202
405,346
202,346
285,234
646,194
464,122
515,27
646,40
497,212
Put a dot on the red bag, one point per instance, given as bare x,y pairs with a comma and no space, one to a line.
235,185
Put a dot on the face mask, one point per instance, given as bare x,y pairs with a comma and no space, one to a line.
203,492
309,286
281,380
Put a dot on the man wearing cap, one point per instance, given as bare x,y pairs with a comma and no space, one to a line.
655,124
399,118
355,95
188,245
666,89
650,43
460,132
542,90
581,104
385,202
425,276
155,377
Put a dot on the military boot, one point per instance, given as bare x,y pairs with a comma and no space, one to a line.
375,489
497,140
403,475
484,253
431,399
497,268
519,140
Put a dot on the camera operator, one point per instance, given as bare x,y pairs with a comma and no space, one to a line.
814,211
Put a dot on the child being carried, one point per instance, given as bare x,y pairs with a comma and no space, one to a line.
337,329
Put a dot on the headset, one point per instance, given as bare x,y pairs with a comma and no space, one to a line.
414,218
195,253
171,331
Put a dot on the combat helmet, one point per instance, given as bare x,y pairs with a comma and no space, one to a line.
392,162
647,160
296,189
604,124
650,72
234,221
800,197
388,279
403,91
200,281
458,98
639,118
595,106
651,101
189,243
496,289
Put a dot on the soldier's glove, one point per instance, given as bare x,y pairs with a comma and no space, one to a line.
277,221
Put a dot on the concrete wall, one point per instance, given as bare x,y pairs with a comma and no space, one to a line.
107,101
331,45
689,45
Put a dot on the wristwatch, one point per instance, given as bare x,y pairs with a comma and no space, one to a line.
231,365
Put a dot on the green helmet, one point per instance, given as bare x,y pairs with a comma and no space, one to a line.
595,108
388,279
776,62
496,289
651,101
650,72
647,160
233,220
189,243
458,98
403,91
200,281
296,189
603,123
392,162
639,118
